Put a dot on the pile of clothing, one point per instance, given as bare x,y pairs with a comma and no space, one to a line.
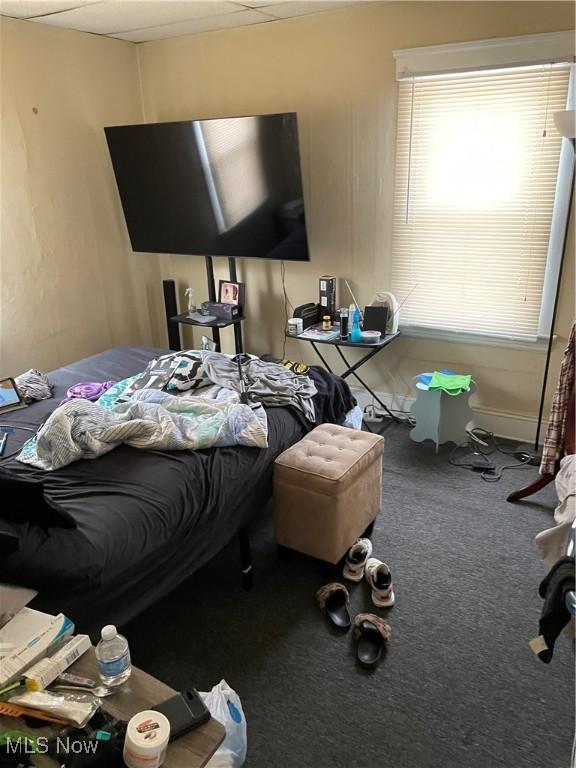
182,401
553,544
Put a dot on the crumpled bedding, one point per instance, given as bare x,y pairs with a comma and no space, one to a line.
150,419
264,381
140,413
134,524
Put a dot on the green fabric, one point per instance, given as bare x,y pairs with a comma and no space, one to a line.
453,383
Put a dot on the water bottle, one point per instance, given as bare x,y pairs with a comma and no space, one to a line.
113,657
356,333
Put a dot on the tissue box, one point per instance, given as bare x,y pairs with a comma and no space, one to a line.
221,311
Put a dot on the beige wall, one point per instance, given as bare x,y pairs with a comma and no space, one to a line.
337,71
69,285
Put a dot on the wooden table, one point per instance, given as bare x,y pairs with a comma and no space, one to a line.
142,691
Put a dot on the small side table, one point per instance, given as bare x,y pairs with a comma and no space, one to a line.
351,369
440,417
215,326
140,692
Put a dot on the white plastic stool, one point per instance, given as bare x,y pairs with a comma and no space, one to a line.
440,417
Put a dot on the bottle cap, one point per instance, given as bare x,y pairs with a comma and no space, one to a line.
109,632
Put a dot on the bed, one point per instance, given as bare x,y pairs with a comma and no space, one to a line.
104,539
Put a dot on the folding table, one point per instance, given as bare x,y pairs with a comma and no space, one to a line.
351,369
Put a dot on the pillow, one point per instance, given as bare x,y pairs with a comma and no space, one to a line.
175,372
156,375
188,373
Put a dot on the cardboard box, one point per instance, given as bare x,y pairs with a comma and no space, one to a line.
47,670
41,642
327,286
24,624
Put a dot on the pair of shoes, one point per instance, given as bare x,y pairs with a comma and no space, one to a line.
371,631
360,565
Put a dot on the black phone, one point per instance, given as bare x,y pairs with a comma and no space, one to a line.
185,711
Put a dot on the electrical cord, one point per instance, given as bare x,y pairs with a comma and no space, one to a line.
477,439
24,429
287,304
408,420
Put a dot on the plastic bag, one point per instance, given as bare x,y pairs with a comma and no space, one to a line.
225,706
77,708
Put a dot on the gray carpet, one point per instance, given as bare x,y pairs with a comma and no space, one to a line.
459,687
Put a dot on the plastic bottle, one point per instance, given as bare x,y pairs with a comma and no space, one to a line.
351,311
356,333
113,657
344,324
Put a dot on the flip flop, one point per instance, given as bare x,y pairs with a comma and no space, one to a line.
334,599
372,634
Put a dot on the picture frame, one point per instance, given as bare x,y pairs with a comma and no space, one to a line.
230,292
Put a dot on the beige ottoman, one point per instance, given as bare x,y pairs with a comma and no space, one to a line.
327,490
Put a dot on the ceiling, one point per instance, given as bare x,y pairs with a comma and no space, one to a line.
143,20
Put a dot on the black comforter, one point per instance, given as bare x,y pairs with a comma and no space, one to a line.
114,534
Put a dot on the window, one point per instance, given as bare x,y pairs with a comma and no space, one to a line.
477,161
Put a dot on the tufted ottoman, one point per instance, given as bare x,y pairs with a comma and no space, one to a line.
327,490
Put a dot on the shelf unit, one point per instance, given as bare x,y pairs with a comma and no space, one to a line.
174,319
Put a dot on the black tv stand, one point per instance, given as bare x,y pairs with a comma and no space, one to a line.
173,319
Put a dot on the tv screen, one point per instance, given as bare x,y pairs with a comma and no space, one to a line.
221,187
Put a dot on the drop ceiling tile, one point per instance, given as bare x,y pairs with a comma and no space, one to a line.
113,16
286,10
260,3
239,19
26,9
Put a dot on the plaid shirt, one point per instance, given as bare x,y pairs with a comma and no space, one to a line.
554,440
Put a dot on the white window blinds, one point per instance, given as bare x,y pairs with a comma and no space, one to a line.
476,168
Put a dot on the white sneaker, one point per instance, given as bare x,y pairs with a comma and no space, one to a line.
356,559
378,575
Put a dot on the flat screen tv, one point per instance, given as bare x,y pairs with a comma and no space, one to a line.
221,187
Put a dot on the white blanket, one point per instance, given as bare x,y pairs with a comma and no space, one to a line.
80,429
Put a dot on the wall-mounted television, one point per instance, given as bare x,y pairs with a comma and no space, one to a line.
220,187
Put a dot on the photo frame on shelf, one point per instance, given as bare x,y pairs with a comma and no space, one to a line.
230,292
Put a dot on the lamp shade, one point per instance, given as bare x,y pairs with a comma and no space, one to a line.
566,123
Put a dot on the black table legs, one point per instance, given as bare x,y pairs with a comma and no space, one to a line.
351,370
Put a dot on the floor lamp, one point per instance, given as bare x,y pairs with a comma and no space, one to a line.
565,122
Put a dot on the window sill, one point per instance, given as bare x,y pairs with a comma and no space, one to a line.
438,334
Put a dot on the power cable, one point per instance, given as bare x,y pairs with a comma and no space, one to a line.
480,445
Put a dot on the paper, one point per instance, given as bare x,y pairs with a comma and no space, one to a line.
12,600
316,334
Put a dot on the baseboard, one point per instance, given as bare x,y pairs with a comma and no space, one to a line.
507,425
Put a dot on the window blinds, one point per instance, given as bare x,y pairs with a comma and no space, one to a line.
476,167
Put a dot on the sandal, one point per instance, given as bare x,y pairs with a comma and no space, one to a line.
356,559
372,634
334,599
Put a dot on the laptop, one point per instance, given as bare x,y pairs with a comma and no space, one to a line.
10,399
